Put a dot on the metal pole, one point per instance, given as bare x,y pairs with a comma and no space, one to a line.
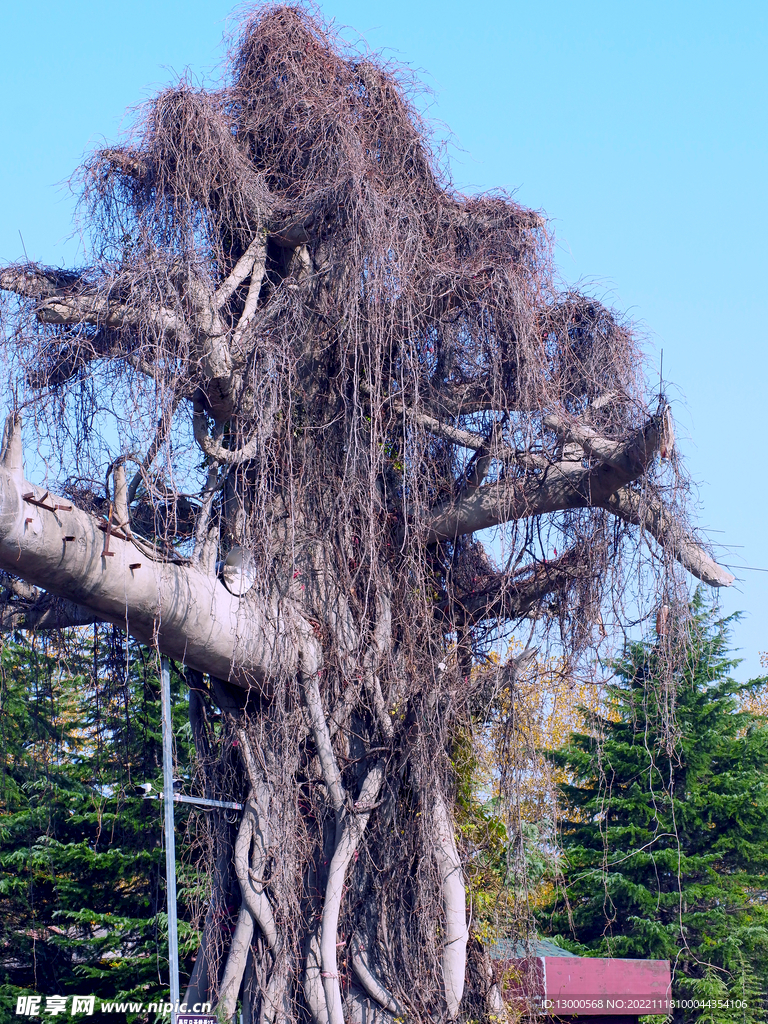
170,844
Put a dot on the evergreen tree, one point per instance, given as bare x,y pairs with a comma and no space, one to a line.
665,836
82,873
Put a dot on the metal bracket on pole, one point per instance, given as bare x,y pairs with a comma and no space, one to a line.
198,801
170,836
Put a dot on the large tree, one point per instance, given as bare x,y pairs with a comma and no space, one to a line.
326,370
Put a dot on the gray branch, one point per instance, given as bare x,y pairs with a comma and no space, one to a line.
650,514
184,612
569,485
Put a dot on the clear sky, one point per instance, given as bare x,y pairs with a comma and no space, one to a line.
639,128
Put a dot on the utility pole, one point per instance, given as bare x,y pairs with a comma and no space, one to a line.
170,834
169,798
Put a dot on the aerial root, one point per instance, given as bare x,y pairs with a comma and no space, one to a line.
353,827
234,970
374,988
454,906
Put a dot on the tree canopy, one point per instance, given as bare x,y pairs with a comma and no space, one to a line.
664,823
82,893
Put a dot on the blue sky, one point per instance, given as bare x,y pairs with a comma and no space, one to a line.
639,128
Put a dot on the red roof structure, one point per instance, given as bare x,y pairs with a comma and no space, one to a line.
557,984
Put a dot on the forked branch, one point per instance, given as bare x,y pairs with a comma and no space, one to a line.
629,458
250,264
515,596
569,485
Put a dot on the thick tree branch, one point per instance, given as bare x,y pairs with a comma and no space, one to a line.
60,305
629,458
447,432
649,514
568,485
560,486
97,309
251,300
65,301
314,993
206,547
187,614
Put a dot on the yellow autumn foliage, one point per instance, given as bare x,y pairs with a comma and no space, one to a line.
511,814
537,713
